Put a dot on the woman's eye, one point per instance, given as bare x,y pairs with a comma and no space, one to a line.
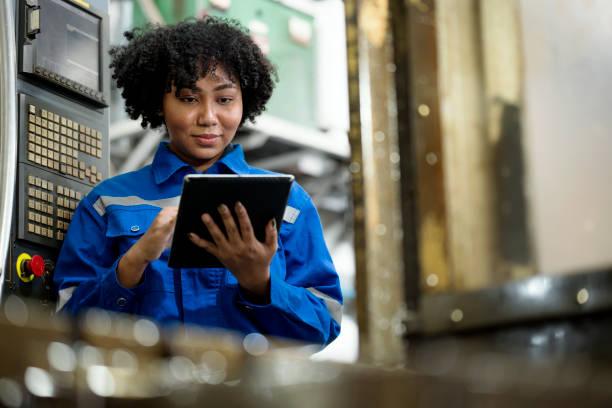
188,99
224,101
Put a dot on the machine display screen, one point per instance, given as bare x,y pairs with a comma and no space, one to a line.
69,44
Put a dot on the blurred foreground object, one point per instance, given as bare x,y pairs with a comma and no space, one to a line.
112,360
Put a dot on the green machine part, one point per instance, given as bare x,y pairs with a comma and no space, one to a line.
295,96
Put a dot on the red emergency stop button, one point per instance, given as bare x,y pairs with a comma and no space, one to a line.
36,265
28,267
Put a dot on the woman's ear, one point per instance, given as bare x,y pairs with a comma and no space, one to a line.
166,130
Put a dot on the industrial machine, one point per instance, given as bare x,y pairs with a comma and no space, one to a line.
60,130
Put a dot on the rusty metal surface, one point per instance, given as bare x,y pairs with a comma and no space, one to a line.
433,232
420,144
467,158
356,166
503,83
375,166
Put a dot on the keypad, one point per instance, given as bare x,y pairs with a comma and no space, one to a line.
40,207
67,201
50,207
59,143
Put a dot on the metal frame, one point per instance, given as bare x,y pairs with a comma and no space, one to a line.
540,298
543,297
8,128
400,15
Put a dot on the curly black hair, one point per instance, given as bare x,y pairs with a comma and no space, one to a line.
157,57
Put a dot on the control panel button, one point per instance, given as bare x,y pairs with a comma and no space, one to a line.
36,265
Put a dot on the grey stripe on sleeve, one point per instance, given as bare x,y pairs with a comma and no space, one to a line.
333,306
64,296
104,201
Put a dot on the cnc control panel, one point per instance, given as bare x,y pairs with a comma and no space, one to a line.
63,86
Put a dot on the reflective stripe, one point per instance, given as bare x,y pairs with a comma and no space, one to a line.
64,296
291,214
333,306
104,201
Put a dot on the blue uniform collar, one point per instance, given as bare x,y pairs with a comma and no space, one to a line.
166,163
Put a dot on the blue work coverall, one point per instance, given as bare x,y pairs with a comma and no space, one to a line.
305,297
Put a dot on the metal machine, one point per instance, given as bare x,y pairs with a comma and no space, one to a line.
57,142
498,114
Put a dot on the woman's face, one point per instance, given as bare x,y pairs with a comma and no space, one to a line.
201,122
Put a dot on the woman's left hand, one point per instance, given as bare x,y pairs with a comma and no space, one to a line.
247,258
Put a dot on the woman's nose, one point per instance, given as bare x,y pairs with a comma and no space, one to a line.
207,115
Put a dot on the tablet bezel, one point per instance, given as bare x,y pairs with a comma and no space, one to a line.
264,195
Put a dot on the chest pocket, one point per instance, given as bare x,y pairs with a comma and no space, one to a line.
125,227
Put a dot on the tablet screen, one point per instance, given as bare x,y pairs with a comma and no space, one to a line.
264,197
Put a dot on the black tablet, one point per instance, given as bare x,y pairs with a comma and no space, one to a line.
264,197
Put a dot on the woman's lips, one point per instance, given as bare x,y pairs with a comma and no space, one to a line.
206,139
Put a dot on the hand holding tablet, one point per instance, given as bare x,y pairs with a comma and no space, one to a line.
262,198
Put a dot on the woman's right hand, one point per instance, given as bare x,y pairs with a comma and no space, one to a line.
148,248
159,235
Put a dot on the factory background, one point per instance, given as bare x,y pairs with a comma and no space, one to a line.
458,154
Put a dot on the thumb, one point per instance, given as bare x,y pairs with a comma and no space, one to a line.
271,235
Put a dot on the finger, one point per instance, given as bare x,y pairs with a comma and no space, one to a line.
164,217
216,233
171,210
230,225
170,236
246,228
202,243
172,215
163,226
168,213
170,223
271,236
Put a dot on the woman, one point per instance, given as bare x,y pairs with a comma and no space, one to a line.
201,80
